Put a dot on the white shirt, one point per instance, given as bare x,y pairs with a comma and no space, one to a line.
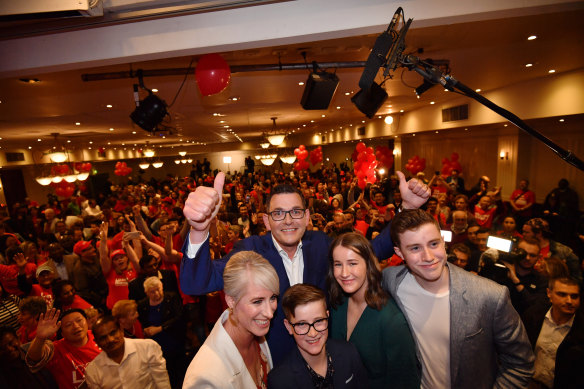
142,367
549,339
295,266
429,315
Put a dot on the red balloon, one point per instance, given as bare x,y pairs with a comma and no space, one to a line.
362,183
454,156
301,147
212,74
296,151
303,154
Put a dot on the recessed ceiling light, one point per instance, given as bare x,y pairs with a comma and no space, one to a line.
551,71
29,147
413,134
111,129
478,90
39,140
225,126
90,142
338,107
347,93
154,90
401,110
301,83
109,106
68,140
532,37
312,121
221,121
323,115
134,132
562,120
436,132
528,65
432,102
77,124
30,80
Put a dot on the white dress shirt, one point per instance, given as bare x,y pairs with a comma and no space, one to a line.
549,339
294,266
142,367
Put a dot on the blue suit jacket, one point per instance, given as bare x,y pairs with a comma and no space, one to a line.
201,275
348,369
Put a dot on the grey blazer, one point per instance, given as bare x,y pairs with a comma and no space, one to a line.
489,347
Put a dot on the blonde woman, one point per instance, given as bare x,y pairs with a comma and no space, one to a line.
236,354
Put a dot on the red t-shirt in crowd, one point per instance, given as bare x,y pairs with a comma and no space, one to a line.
69,362
78,303
484,218
118,285
46,293
361,226
9,277
523,199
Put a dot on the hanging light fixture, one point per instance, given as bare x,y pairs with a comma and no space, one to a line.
182,153
44,181
148,152
157,164
83,176
274,137
144,165
177,161
268,161
59,154
289,159
265,145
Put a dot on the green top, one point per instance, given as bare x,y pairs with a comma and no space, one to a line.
385,343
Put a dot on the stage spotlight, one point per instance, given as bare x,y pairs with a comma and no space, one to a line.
370,100
319,90
149,113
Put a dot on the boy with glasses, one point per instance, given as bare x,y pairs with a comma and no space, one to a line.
316,362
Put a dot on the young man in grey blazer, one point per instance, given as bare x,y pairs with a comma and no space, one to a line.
466,330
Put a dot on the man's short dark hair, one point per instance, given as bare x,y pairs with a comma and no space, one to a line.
300,294
72,310
410,220
283,189
460,247
483,230
104,320
564,280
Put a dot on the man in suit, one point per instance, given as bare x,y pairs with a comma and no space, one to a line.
299,256
466,330
316,362
557,336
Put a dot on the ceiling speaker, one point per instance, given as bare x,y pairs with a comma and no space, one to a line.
319,90
370,100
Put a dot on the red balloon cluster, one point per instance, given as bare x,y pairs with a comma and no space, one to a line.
60,170
212,74
365,165
64,189
416,165
449,165
122,169
316,156
83,167
301,153
384,156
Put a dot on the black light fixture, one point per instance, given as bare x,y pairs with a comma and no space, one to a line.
370,100
320,88
149,112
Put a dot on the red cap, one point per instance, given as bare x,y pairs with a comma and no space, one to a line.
81,246
117,252
168,200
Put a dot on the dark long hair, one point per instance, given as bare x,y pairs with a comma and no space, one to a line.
375,296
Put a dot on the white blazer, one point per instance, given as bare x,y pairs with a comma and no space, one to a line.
218,363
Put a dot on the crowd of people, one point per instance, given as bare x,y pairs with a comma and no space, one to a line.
259,279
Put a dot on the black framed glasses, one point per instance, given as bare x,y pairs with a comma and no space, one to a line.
303,328
296,213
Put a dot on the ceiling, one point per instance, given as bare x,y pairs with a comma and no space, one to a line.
489,55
